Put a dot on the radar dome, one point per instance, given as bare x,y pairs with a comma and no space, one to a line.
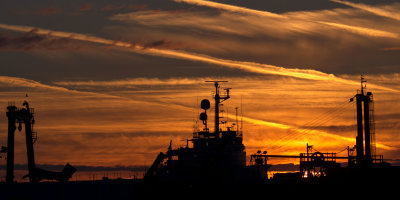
205,104
203,116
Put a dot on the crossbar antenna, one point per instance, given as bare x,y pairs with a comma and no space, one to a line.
363,86
218,99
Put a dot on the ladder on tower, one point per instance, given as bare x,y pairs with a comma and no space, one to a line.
372,128
34,137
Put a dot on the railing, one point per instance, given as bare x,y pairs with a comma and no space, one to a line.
377,158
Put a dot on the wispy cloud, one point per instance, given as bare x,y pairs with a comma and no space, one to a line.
22,82
301,20
381,11
246,66
135,82
232,8
27,83
363,30
31,41
325,40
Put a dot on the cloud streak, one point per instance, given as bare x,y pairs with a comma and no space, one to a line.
363,30
134,82
393,14
290,17
246,66
22,82
232,8
32,41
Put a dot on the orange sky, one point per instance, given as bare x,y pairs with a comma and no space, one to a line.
115,92
129,123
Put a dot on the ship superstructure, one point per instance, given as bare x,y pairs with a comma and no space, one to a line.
217,156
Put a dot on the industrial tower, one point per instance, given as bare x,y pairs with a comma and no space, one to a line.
365,140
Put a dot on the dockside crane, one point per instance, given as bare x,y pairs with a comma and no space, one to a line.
25,116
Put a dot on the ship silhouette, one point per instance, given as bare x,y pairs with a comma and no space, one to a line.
217,157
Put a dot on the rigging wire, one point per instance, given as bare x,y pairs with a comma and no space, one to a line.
313,123
316,122
341,150
300,133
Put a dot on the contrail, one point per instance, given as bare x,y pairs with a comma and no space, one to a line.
135,81
22,82
29,83
377,11
232,8
245,66
363,31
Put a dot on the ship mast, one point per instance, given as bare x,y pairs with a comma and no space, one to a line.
218,101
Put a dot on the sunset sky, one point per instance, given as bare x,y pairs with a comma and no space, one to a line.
112,82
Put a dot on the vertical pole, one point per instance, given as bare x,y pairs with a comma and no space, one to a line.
205,111
367,130
29,143
359,138
308,164
10,143
237,122
348,156
217,101
29,149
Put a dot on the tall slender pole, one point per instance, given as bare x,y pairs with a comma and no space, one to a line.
237,121
367,131
359,138
29,142
217,101
241,114
11,114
